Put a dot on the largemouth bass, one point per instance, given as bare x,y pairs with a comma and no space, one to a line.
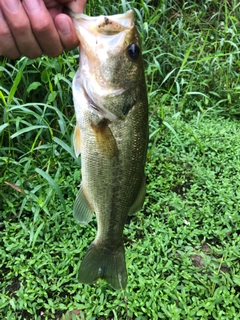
111,133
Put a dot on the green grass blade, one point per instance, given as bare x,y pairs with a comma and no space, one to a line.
24,130
3,98
3,126
64,146
53,184
34,235
17,81
174,132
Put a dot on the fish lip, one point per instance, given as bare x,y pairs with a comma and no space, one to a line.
125,20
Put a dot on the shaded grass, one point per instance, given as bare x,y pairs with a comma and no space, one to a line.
183,247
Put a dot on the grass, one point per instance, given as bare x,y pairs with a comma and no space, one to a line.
183,247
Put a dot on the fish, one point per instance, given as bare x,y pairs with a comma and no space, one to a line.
111,134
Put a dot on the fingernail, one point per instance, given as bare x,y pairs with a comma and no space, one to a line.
32,6
12,5
63,25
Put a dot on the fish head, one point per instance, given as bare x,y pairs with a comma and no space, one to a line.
111,66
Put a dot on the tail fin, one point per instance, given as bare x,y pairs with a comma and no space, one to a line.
104,263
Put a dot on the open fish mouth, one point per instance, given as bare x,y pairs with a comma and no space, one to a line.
115,23
101,26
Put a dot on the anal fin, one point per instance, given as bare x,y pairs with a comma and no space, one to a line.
82,210
138,203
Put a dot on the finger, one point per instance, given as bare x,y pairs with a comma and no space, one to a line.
65,26
43,27
20,27
8,47
66,31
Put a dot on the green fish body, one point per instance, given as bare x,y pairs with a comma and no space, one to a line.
111,133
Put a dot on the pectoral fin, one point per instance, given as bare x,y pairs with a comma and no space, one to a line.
105,139
77,140
82,210
138,203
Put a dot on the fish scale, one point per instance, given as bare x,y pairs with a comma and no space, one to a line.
111,133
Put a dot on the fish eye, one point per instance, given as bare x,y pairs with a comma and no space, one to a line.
133,51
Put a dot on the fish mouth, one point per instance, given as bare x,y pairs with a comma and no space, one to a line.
103,24
91,30
106,25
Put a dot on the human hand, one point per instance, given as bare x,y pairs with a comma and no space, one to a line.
35,27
